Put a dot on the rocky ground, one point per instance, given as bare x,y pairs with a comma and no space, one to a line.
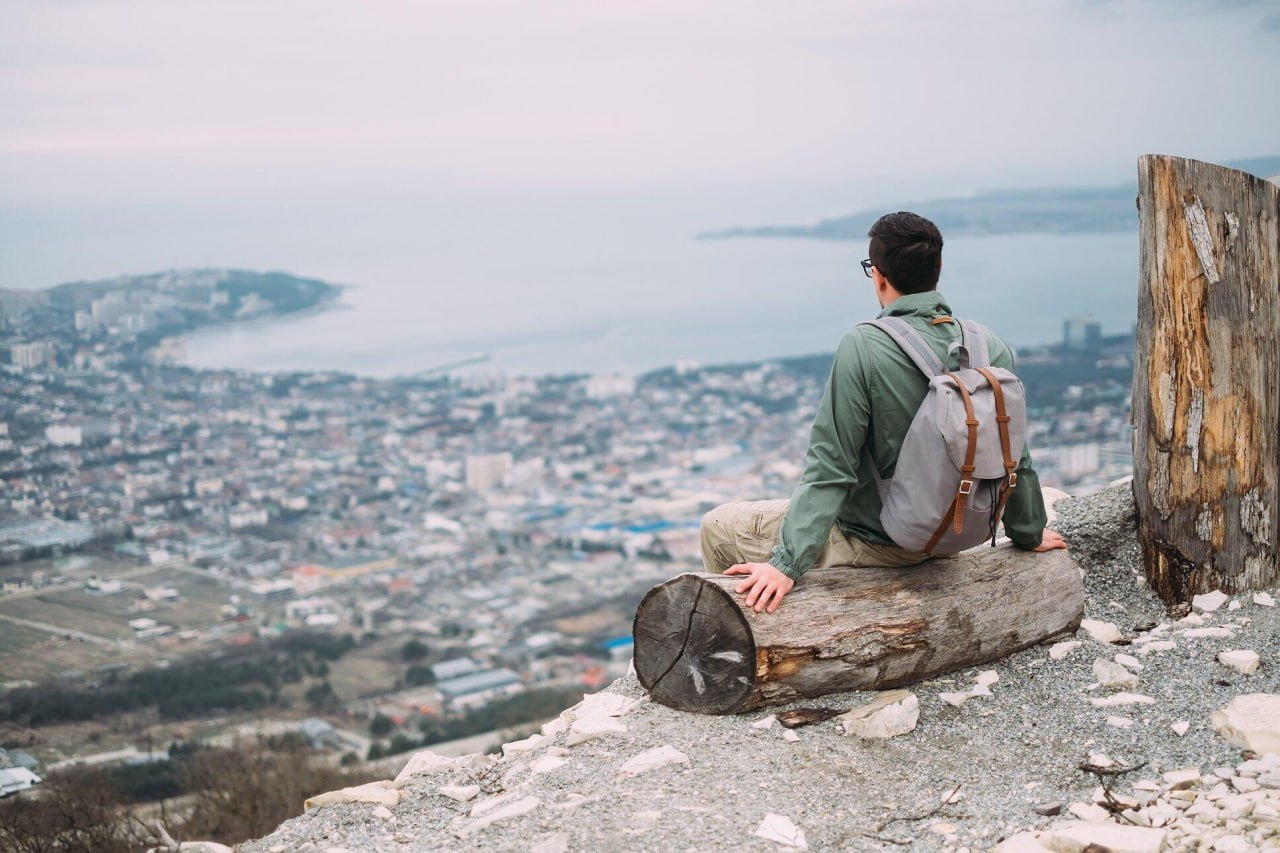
620,772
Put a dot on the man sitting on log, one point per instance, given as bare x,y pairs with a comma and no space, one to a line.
872,394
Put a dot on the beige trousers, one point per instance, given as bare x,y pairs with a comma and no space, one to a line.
747,531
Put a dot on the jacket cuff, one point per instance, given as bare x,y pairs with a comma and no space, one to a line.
779,560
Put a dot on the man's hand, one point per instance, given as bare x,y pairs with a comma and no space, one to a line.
766,586
1049,540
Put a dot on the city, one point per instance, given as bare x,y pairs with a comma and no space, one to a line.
471,548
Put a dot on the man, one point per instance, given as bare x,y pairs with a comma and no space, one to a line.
833,517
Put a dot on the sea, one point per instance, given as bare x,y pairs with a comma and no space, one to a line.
537,283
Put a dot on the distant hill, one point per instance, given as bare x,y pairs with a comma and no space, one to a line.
1052,210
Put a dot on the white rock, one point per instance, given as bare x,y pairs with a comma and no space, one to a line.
1244,784
609,704
1263,599
461,793
892,713
1192,620
1113,676
1129,661
1102,632
1088,811
780,830
1078,836
1058,651
505,812
527,745
1244,661
1233,844
1209,601
426,762
1100,759
383,793
1156,646
589,726
383,812
652,759
1180,727
1234,605
1117,699
545,764
1119,722
790,736
1184,778
555,842
1251,721
1023,842
986,678
558,725
1216,631
765,723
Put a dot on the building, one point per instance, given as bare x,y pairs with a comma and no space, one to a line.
31,355
603,387
277,590
453,668
479,688
16,779
1082,336
485,471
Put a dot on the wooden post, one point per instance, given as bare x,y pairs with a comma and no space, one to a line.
1206,380
840,629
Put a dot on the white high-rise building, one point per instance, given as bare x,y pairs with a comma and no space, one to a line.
484,471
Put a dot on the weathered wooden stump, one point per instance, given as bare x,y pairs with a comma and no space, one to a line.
1206,379
697,649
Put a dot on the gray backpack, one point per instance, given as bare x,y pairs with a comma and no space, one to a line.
956,468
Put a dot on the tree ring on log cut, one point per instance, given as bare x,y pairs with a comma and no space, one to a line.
693,647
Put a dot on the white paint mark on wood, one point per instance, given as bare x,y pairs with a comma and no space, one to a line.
732,657
1204,523
1167,391
1254,518
1201,239
1195,423
699,683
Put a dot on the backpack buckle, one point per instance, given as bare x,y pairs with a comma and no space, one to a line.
1012,481
966,487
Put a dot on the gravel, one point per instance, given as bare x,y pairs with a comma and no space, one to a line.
1014,755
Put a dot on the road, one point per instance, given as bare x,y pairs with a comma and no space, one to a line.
62,630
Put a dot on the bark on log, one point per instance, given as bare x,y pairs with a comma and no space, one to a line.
1206,381
697,649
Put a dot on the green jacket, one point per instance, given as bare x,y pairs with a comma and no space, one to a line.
870,399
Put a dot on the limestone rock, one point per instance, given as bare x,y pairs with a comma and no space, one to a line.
1119,722
1058,651
1023,842
780,830
1184,778
652,759
1243,661
1156,646
545,764
893,712
383,812
1216,631
383,793
1088,811
1130,662
426,762
515,808
790,736
1102,632
461,793
1251,721
1117,699
1209,601
1264,599
1180,727
765,723
1093,835
1113,676
527,745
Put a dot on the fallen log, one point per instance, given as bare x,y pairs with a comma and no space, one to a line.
698,649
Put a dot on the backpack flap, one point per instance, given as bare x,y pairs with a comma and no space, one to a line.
989,461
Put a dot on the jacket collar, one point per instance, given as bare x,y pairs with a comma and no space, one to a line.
931,303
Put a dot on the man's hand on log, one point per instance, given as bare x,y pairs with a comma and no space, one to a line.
766,586
1050,540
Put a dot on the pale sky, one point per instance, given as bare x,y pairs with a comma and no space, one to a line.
155,99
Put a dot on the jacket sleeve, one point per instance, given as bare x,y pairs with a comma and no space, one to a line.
831,463
1024,516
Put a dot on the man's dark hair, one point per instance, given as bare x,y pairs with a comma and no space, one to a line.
907,249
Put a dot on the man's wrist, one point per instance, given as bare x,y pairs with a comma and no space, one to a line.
782,564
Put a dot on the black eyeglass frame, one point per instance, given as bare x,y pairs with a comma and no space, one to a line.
866,267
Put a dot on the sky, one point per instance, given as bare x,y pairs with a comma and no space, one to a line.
137,104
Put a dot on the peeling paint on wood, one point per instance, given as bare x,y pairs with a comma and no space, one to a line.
1198,225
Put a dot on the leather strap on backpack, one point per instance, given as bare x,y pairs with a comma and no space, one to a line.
955,513
1010,466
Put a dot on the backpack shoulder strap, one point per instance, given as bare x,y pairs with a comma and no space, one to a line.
912,343
974,340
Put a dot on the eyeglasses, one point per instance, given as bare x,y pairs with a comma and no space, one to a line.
866,267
